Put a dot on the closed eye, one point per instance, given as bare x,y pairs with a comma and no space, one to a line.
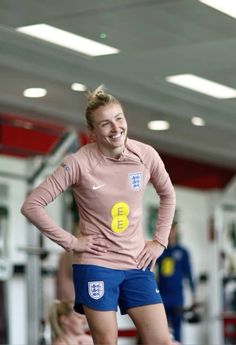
120,118
104,124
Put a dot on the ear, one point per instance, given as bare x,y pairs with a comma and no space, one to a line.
92,136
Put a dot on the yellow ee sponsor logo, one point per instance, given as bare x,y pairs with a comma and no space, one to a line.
167,267
119,213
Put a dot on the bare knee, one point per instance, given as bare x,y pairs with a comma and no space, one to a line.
158,339
108,338
103,326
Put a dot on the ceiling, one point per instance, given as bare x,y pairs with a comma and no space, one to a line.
156,38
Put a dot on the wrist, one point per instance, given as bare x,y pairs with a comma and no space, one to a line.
159,243
74,243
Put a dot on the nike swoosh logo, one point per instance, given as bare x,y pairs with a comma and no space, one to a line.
99,186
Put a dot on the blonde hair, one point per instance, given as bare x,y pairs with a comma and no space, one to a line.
97,98
57,309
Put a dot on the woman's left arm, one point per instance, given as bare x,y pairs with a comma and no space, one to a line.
165,190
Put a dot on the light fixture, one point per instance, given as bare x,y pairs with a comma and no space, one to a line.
158,125
68,40
226,6
35,92
78,87
102,35
202,85
198,121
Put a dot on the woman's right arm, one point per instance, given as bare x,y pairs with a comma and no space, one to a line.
34,206
67,174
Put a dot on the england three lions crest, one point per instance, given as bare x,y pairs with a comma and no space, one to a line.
135,180
96,289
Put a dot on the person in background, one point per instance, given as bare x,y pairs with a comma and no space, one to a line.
64,286
112,262
173,268
66,326
64,274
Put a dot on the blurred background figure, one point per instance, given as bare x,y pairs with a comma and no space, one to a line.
64,280
173,269
66,326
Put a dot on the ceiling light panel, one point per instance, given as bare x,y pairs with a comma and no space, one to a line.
207,87
68,40
226,6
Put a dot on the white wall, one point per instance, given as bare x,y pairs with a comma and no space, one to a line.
13,174
16,288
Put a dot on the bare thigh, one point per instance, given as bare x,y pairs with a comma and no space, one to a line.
151,323
103,326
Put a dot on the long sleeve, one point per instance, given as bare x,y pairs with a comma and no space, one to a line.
34,206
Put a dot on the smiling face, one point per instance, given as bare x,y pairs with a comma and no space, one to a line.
110,129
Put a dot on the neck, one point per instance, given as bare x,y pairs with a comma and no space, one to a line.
115,153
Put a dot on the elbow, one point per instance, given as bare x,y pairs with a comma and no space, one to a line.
24,209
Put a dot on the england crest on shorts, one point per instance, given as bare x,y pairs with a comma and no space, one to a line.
96,289
135,180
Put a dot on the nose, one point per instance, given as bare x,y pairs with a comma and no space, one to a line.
114,125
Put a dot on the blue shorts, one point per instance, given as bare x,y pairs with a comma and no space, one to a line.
103,289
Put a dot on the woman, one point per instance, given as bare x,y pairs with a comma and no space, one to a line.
67,327
112,261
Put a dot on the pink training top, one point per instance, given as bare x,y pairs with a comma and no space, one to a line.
108,193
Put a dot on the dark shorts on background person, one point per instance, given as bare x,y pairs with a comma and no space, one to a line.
104,289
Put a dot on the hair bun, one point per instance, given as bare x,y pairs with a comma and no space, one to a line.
98,93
